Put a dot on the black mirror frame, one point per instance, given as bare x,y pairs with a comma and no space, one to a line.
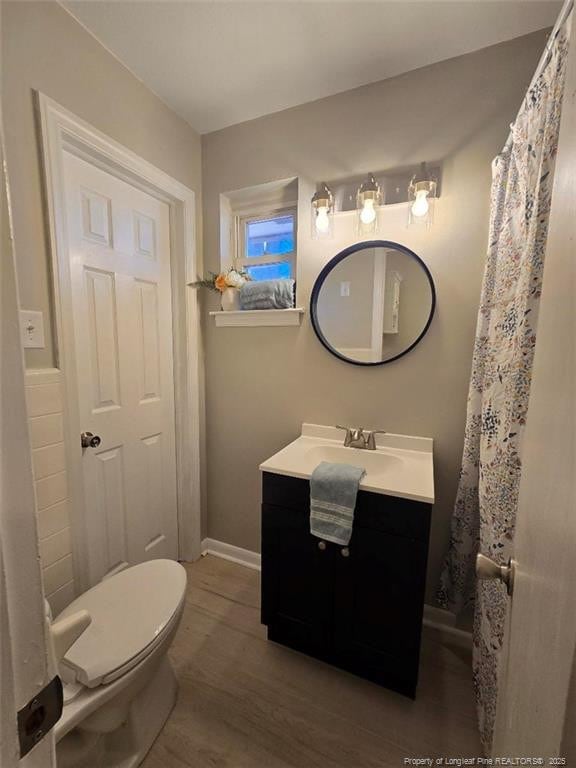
335,261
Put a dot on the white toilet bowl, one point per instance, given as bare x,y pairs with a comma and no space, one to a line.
119,687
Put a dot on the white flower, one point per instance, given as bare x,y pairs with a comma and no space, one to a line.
234,279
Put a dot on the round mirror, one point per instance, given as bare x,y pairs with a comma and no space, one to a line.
372,303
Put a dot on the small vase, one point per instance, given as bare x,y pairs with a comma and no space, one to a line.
230,300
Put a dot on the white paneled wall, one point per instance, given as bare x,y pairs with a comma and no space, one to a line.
44,396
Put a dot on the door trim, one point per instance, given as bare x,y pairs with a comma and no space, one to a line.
62,131
25,662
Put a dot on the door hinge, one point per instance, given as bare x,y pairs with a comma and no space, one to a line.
40,715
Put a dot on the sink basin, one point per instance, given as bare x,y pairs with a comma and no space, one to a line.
400,466
376,463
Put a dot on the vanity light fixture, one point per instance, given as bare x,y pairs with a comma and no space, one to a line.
368,198
322,213
421,196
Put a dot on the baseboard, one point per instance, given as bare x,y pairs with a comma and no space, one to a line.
229,552
438,616
445,623
434,617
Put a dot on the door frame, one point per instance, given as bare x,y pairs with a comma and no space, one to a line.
25,661
62,131
378,304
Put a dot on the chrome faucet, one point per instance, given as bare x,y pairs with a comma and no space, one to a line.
356,437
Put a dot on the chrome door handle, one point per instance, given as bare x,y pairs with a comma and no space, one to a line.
89,440
486,568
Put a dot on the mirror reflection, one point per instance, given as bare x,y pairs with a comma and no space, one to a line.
373,303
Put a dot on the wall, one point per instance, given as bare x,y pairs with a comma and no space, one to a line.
347,321
263,382
45,406
45,49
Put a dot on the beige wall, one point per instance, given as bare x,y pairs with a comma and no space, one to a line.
45,49
45,404
347,322
263,382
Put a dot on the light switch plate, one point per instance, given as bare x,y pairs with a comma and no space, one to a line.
32,329
345,288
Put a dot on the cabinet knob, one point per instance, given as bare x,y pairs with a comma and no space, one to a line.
345,552
322,545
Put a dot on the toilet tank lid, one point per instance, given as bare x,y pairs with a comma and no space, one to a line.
129,611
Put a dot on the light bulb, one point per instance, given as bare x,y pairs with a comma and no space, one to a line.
322,220
368,214
421,205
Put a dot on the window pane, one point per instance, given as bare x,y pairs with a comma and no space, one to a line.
273,236
282,270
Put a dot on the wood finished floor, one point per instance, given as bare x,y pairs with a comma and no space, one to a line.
248,703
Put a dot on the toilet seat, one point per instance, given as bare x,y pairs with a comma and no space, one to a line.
131,612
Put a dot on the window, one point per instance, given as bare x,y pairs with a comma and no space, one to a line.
267,244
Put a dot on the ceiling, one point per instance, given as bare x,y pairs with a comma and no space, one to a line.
217,62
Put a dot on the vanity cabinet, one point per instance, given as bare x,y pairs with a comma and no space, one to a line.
357,607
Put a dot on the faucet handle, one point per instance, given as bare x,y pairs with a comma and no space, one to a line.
352,433
348,430
370,440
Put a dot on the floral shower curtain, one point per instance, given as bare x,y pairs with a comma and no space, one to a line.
486,502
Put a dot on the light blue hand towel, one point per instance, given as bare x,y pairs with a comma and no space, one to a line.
333,491
267,294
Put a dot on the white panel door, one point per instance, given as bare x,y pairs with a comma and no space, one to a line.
119,241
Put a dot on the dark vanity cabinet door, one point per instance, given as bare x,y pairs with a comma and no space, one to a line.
378,598
297,581
358,607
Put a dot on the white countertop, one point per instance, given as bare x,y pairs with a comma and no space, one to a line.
400,466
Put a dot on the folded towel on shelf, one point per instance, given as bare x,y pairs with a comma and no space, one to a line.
267,294
333,491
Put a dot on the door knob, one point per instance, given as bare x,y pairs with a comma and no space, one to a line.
345,552
322,545
89,440
488,569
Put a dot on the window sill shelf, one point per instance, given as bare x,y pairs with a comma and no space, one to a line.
261,317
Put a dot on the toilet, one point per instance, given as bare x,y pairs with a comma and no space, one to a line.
119,686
